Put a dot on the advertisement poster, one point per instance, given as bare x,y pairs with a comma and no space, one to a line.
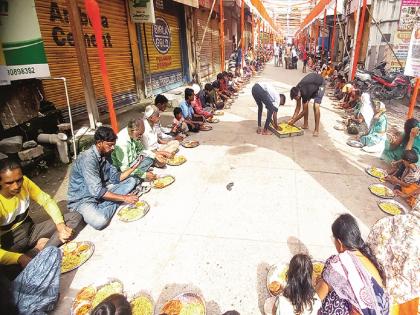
412,66
401,45
142,11
22,44
410,15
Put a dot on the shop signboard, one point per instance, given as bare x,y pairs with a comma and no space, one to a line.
161,35
412,66
401,45
409,15
142,11
22,44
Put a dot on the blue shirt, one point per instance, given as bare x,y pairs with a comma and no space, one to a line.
90,175
187,110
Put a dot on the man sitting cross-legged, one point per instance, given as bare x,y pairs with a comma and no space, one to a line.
21,238
96,187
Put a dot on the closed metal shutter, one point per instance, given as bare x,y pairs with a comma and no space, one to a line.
215,43
206,54
59,46
162,68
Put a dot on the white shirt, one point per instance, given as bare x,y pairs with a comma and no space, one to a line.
294,53
276,51
274,95
285,307
150,137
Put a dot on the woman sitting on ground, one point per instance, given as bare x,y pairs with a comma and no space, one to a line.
299,296
359,123
394,242
408,140
405,175
352,282
374,141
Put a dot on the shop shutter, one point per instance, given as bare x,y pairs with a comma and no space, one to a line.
56,32
206,69
164,69
215,43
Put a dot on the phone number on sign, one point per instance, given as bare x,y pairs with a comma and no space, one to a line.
19,71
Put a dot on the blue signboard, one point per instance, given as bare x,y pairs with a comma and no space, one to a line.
161,35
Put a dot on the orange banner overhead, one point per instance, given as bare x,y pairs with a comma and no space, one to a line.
259,6
314,13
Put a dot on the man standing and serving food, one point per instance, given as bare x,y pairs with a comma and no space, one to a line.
265,93
96,187
310,87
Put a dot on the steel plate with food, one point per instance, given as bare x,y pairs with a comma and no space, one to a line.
141,305
381,191
206,128
213,120
163,181
89,297
185,304
391,207
277,276
190,143
134,212
376,172
219,112
355,144
75,254
284,128
176,160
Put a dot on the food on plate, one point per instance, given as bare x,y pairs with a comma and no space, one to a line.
141,305
219,113
390,208
284,128
109,289
134,212
275,287
74,255
82,308
177,160
190,143
318,267
86,294
172,307
381,190
163,181
192,309
376,172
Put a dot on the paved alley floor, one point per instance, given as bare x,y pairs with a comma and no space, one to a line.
201,237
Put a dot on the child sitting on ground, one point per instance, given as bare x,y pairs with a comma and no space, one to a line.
179,126
405,175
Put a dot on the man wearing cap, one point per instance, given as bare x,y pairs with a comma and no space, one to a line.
310,87
265,93
151,141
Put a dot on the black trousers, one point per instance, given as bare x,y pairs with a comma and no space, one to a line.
262,97
25,236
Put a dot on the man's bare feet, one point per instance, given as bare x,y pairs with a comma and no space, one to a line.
41,243
265,132
305,127
259,130
316,133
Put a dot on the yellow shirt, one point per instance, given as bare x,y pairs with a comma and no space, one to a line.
14,211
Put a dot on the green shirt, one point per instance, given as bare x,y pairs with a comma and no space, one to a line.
126,152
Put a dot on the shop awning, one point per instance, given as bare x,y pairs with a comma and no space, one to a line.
191,3
315,12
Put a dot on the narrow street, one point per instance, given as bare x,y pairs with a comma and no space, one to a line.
200,236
